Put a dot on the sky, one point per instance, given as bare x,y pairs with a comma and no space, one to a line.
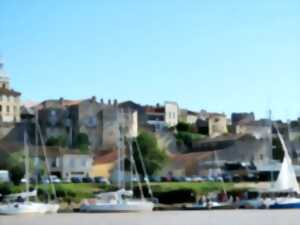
222,56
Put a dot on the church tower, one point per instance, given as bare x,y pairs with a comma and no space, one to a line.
9,99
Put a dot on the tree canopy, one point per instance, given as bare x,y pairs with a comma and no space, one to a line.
153,157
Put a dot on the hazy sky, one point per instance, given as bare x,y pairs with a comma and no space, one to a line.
217,55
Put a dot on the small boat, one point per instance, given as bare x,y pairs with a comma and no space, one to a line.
286,183
119,201
28,207
122,200
20,203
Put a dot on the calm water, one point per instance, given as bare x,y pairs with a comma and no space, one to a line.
235,217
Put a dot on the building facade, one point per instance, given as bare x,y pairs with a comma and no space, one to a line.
217,124
9,100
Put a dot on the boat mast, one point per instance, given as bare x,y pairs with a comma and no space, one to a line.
271,145
26,154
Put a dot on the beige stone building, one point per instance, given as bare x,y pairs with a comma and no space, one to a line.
217,124
9,100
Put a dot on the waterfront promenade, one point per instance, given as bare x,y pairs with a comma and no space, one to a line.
230,217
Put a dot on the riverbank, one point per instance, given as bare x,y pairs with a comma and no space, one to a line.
229,217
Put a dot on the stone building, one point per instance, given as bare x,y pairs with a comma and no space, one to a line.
54,119
217,124
259,129
114,121
142,117
99,121
188,116
84,120
9,100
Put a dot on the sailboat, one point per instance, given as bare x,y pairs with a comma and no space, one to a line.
226,203
121,200
18,204
285,183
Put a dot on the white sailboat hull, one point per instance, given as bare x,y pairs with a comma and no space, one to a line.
28,208
128,206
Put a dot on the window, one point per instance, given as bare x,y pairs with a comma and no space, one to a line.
0,108
83,162
72,163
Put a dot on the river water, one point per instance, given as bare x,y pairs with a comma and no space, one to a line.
234,217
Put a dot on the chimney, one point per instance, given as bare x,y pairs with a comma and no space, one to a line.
109,102
101,101
61,101
157,105
93,99
115,102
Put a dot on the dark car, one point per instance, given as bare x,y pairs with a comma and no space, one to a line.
154,179
236,178
166,179
251,178
87,180
101,180
76,180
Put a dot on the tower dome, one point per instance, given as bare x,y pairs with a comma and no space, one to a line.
4,79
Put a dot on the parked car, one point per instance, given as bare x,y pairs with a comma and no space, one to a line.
76,180
87,180
236,178
218,178
53,178
187,179
176,179
154,179
166,179
101,180
227,178
197,179
251,177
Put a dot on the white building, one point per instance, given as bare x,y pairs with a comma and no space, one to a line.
171,113
68,163
163,116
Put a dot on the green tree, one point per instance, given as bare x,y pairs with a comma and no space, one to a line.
153,157
278,152
184,127
57,141
83,142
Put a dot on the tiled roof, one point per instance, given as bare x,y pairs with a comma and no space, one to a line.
7,92
104,157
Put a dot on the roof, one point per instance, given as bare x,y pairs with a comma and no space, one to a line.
104,157
7,92
150,109
216,114
63,102
192,113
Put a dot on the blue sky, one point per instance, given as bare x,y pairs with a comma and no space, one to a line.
217,55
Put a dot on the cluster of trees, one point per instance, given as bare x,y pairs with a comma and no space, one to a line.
153,156
81,142
186,135
14,163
